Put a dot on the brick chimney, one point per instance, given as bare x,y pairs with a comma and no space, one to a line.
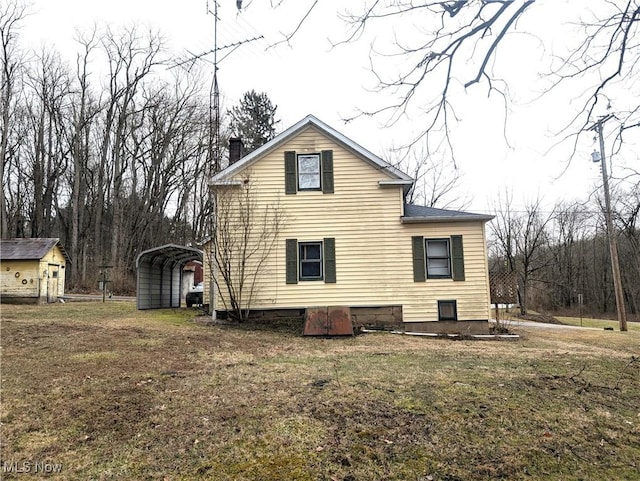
236,150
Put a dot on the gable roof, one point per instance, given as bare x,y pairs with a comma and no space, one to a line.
419,213
397,177
29,249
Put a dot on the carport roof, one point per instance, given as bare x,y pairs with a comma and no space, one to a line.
170,252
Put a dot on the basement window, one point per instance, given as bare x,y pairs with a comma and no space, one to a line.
447,311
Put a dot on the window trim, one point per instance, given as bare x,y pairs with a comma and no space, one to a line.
320,244
427,257
455,310
318,156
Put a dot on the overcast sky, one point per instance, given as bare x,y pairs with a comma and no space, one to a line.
308,76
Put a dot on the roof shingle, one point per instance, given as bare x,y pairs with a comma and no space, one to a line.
421,213
29,249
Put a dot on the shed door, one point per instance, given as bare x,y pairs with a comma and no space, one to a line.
52,283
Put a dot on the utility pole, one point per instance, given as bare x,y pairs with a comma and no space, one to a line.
613,244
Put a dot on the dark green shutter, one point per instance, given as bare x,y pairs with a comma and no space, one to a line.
292,261
290,181
327,171
419,265
329,260
457,258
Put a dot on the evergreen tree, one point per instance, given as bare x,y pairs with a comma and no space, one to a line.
254,120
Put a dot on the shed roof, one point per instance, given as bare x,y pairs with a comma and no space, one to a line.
29,249
420,213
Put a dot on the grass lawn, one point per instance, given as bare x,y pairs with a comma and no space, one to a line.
114,393
598,323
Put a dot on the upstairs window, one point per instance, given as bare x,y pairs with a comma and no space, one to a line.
309,172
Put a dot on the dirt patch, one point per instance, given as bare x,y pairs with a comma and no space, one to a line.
283,325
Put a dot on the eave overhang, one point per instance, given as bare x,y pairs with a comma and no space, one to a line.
449,218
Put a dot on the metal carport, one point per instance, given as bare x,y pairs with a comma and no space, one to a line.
160,275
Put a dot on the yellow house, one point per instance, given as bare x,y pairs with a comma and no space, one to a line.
32,270
345,237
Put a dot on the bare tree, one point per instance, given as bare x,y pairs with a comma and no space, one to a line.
84,109
567,235
11,15
132,57
627,214
521,239
163,144
110,164
245,235
444,50
48,106
437,179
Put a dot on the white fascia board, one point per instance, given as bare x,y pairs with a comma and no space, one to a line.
394,183
451,218
225,183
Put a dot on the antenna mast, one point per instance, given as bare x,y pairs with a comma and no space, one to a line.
216,93
214,158
214,139
214,110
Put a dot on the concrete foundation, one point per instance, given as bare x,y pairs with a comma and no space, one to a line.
376,317
449,327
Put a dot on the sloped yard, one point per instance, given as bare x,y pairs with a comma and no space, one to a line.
109,392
